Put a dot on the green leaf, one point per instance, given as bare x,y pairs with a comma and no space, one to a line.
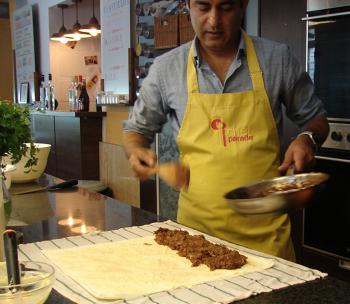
15,132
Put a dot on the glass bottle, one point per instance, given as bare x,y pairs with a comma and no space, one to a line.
50,95
76,92
84,99
42,93
71,98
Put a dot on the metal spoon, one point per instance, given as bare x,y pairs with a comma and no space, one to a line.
10,242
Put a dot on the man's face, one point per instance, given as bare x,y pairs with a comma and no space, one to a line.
217,22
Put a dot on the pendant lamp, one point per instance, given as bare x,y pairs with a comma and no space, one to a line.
93,27
74,33
60,35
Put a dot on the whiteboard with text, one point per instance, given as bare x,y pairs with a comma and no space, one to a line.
115,43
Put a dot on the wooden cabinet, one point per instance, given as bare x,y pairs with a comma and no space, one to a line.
74,138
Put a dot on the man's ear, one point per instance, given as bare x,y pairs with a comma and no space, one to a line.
244,4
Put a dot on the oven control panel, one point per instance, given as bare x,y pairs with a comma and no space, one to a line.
338,137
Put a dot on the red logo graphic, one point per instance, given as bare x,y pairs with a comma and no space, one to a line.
230,135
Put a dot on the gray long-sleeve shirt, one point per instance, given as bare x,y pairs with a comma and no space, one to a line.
164,91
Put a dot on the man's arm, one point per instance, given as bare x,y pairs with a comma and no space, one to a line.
301,151
141,158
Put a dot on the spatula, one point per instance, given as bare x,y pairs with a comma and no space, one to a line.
175,174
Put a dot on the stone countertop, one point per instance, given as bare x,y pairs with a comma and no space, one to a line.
41,216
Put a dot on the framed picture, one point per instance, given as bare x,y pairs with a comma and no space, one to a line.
24,92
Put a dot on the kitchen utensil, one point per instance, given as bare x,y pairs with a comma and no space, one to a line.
10,242
174,174
276,195
37,279
59,186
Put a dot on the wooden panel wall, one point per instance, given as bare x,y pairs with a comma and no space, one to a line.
116,173
113,129
6,61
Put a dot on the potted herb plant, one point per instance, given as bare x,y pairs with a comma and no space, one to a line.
14,134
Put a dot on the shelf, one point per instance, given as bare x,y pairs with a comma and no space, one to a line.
113,105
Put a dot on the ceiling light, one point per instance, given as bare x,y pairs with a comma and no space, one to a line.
93,27
60,35
74,33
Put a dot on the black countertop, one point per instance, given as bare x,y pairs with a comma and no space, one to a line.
39,217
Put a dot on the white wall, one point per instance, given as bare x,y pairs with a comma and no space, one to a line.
66,63
252,18
43,24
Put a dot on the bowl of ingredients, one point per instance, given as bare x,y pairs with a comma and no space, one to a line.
36,281
276,195
23,174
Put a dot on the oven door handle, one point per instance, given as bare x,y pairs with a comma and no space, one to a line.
307,18
344,264
333,159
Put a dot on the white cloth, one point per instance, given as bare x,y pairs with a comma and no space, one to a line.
228,289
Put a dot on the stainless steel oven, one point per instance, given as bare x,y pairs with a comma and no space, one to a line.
328,63
327,220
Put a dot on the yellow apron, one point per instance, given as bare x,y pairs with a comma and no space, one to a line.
229,140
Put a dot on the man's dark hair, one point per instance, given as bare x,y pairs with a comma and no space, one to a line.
188,3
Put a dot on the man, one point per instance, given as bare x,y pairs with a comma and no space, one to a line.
224,93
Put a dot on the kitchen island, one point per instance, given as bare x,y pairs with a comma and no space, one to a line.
50,215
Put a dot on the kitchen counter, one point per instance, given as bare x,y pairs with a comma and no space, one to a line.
45,215
74,138
71,113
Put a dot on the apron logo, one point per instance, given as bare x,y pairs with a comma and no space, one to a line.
230,135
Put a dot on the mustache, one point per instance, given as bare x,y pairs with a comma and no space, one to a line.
216,31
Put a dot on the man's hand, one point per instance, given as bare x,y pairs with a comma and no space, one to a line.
300,154
301,151
142,162
141,158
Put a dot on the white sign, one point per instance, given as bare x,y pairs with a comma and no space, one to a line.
24,47
115,43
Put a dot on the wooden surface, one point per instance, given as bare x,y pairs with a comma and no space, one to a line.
113,129
116,173
6,61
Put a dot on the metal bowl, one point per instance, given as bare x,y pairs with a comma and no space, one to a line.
276,195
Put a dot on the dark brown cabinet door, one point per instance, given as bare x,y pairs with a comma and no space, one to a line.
75,143
68,147
43,130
